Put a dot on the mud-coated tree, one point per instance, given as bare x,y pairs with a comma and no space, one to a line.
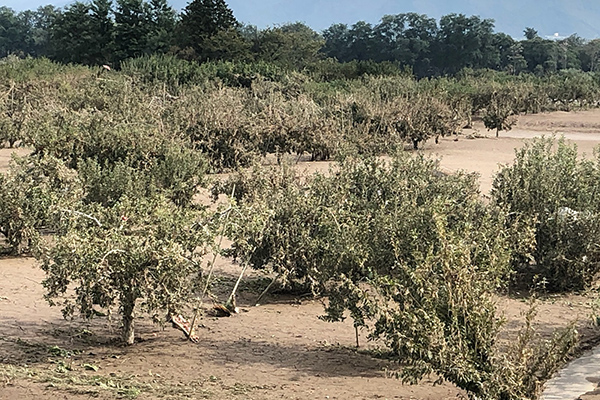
139,255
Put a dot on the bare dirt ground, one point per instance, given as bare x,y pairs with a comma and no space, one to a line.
279,350
480,151
6,155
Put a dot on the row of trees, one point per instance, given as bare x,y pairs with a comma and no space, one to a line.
102,32
237,112
454,43
108,33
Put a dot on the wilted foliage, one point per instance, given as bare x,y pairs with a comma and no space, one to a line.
411,253
30,193
500,113
556,193
138,254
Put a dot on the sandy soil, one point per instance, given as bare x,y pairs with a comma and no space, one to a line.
480,151
278,350
6,155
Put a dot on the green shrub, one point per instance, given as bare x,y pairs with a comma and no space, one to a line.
370,197
165,69
30,69
117,134
176,173
30,193
175,72
557,193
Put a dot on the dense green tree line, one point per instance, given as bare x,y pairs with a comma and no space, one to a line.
109,32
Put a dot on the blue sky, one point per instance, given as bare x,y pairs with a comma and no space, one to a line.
512,16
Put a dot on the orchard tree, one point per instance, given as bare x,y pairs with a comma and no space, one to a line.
411,254
29,192
555,192
500,113
140,254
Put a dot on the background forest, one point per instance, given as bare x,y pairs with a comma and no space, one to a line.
106,32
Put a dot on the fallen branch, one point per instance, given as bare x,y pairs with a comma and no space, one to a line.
231,306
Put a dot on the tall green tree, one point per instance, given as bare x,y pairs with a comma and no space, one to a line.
515,61
530,33
589,55
26,32
208,29
541,55
407,39
466,42
293,45
163,19
510,53
71,36
9,31
83,33
569,50
132,28
43,18
361,41
103,27
337,42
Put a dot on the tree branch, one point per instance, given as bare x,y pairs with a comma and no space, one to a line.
82,215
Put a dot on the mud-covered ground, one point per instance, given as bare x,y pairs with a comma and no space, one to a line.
278,350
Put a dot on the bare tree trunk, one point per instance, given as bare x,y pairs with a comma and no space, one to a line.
497,131
128,305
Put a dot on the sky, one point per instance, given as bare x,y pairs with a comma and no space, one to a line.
548,17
